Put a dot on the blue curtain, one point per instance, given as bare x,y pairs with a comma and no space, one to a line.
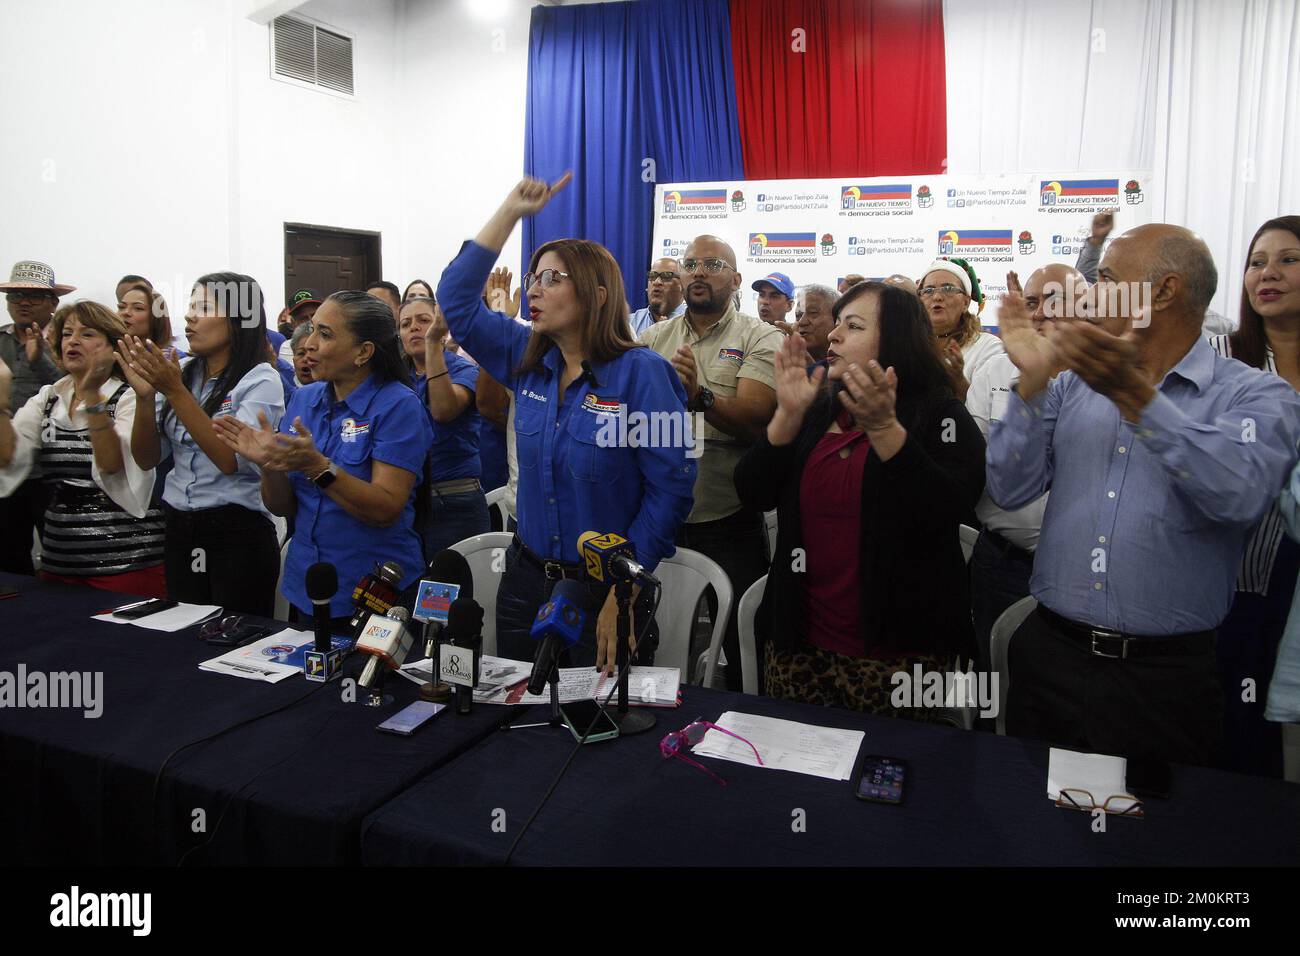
611,85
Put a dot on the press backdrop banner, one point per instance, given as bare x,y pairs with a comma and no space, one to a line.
819,230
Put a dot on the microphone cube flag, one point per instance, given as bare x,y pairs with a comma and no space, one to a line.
598,550
433,602
322,666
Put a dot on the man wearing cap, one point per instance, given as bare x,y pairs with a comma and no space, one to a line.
664,296
725,360
31,295
302,305
775,300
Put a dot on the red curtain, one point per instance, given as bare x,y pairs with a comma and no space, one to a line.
866,97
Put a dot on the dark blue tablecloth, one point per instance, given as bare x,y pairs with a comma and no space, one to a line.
295,786
972,798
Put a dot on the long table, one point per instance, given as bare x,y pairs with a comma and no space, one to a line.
315,783
972,799
292,787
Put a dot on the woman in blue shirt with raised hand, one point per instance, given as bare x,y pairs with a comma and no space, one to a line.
348,455
445,382
573,375
220,546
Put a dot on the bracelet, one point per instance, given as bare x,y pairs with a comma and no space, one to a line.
440,374
99,408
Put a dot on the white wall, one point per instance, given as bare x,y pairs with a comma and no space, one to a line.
154,139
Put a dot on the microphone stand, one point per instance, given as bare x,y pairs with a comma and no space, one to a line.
553,678
629,721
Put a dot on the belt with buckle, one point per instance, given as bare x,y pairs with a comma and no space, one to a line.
456,486
554,570
1103,642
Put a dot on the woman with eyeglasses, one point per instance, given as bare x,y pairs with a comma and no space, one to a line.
950,292
574,375
445,382
871,469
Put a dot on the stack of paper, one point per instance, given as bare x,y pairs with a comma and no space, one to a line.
173,619
503,681
1100,775
271,659
784,745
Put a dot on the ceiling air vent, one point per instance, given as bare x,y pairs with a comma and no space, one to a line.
310,54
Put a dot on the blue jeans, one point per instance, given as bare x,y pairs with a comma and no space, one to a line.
453,518
524,588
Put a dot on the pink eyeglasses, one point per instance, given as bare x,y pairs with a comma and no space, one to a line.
683,740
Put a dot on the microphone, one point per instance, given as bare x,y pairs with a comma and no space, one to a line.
375,593
611,557
322,663
386,639
558,626
322,585
464,633
590,375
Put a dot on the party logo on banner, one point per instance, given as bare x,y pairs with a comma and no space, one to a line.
1026,242
924,198
1077,195
976,245
695,204
828,244
887,199
1133,192
737,201
783,247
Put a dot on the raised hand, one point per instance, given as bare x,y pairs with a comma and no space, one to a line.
1102,223
127,347
298,452
435,336
684,363
99,368
1013,283
34,342
531,195
870,394
795,389
1033,354
955,365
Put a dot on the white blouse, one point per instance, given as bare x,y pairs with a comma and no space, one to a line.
983,347
131,488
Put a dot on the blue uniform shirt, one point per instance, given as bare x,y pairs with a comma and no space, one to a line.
194,482
1146,523
455,443
572,477
375,423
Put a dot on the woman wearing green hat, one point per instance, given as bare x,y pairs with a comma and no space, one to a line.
950,292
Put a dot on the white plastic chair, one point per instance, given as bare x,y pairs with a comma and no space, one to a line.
485,554
769,519
745,614
999,642
968,536
684,577
496,498
281,602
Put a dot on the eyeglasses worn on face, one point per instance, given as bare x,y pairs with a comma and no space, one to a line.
547,277
662,276
711,266
946,289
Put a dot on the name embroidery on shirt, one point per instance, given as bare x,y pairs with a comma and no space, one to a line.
527,393
351,428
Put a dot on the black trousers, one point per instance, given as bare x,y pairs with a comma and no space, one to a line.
738,543
999,577
1161,707
20,513
226,555
525,587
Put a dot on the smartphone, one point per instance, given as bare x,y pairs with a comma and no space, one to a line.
133,612
580,713
406,721
882,779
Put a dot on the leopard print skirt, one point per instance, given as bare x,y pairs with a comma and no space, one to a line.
812,675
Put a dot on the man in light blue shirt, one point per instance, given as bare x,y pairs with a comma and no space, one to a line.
663,292
1160,456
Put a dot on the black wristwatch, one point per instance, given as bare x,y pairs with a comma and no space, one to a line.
326,477
703,401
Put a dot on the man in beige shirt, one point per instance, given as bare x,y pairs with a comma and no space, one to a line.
725,361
